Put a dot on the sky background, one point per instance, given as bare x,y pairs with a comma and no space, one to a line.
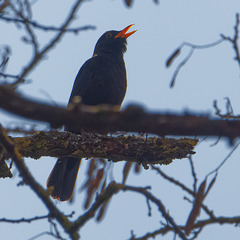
210,74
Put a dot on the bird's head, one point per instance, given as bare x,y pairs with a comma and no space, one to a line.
113,42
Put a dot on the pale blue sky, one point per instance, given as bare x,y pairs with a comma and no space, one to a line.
210,74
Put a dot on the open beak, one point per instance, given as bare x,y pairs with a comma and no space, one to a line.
124,34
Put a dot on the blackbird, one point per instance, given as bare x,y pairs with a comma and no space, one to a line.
101,80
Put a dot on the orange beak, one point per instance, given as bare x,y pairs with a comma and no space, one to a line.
124,34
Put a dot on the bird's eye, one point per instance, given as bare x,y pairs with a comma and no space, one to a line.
108,35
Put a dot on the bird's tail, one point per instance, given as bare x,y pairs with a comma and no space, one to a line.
63,178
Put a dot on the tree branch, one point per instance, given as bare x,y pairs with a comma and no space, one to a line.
37,57
160,206
29,179
234,39
111,189
24,220
37,25
200,224
133,119
129,148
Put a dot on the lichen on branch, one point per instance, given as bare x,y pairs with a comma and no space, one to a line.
150,150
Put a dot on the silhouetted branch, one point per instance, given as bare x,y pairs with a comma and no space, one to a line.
37,25
133,119
39,54
6,75
183,187
111,189
194,174
8,145
193,47
160,206
229,110
24,220
177,51
234,39
199,224
29,220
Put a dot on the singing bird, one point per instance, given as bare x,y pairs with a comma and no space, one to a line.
101,80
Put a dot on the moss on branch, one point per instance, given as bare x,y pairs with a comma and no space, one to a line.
151,150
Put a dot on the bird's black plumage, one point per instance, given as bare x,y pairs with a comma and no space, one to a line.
101,80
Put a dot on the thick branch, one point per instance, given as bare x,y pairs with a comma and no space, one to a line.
129,148
133,119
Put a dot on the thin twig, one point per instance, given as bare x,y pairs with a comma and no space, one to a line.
181,64
6,75
229,110
160,205
209,45
24,220
192,47
199,224
234,39
172,180
48,28
193,174
183,187
112,189
50,45
225,159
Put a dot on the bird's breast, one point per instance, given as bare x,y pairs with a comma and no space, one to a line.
101,80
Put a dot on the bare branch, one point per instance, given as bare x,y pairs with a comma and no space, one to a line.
177,51
29,220
229,110
172,180
224,160
180,65
234,39
37,25
193,174
35,186
133,119
112,189
50,45
200,224
183,187
24,220
160,205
